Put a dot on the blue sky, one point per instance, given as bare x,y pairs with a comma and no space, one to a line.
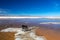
30,7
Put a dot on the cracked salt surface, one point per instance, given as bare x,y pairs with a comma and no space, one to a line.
24,35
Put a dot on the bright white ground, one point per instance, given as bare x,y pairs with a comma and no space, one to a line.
19,31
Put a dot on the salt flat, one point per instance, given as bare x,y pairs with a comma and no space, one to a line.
24,35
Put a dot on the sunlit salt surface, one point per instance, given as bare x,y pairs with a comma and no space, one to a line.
24,35
50,23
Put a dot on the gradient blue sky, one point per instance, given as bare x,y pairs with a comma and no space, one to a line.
30,7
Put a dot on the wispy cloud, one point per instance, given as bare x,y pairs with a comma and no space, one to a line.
3,12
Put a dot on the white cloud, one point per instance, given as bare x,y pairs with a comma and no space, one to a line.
3,11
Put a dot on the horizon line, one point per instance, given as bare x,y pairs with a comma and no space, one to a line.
49,17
